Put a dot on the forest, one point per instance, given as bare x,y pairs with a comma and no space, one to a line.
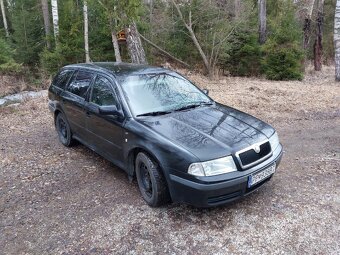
276,60
266,38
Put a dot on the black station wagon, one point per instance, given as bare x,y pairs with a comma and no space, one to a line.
153,123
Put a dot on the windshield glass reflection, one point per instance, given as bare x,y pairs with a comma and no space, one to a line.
151,93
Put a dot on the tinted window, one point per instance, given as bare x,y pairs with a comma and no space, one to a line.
80,83
102,93
62,78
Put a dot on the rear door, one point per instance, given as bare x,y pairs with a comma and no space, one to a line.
73,99
106,130
57,87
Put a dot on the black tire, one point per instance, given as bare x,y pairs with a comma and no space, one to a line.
151,182
63,130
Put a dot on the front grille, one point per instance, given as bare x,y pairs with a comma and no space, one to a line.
250,157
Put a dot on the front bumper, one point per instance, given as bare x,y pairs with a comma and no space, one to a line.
214,194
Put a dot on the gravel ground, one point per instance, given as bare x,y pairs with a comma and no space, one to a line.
56,200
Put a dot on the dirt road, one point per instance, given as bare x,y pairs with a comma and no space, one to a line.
55,200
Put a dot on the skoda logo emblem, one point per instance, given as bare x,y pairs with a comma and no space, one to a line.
257,148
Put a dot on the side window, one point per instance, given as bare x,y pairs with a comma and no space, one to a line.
62,78
102,93
80,83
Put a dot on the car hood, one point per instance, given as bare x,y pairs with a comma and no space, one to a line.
210,132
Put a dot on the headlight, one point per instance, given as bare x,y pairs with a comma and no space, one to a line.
274,141
213,167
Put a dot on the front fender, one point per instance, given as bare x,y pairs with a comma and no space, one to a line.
167,154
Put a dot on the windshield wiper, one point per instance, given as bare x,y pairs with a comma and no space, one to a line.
154,113
190,106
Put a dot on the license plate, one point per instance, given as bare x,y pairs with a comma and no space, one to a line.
258,177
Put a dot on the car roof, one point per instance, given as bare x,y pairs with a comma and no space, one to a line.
120,69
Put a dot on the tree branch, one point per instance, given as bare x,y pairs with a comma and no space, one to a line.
164,52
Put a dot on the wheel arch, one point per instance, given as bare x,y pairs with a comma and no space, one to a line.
131,159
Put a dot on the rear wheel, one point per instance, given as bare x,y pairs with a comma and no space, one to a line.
151,182
63,130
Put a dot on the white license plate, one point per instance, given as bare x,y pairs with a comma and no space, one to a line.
258,177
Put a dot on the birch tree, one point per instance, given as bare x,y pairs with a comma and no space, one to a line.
3,12
262,21
46,16
86,32
55,18
337,40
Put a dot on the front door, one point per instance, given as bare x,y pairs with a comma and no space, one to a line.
106,130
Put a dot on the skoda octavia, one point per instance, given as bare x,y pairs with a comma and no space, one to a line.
156,125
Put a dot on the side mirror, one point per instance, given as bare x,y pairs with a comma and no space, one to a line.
205,91
109,110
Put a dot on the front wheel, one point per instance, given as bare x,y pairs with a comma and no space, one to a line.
151,182
63,130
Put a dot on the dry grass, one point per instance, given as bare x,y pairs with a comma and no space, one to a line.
270,100
11,85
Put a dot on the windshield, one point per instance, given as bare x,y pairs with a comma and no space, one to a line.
161,93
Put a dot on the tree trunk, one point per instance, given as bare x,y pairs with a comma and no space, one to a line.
307,25
237,9
262,21
199,48
55,18
114,40
306,32
134,45
319,34
116,46
164,52
46,16
3,11
86,33
337,40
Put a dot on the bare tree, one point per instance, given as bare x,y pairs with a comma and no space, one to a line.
3,11
55,18
134,45
319,34
188,26
86,33
337,40
262,21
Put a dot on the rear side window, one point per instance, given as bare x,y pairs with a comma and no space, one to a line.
102,93
80,83
62,78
